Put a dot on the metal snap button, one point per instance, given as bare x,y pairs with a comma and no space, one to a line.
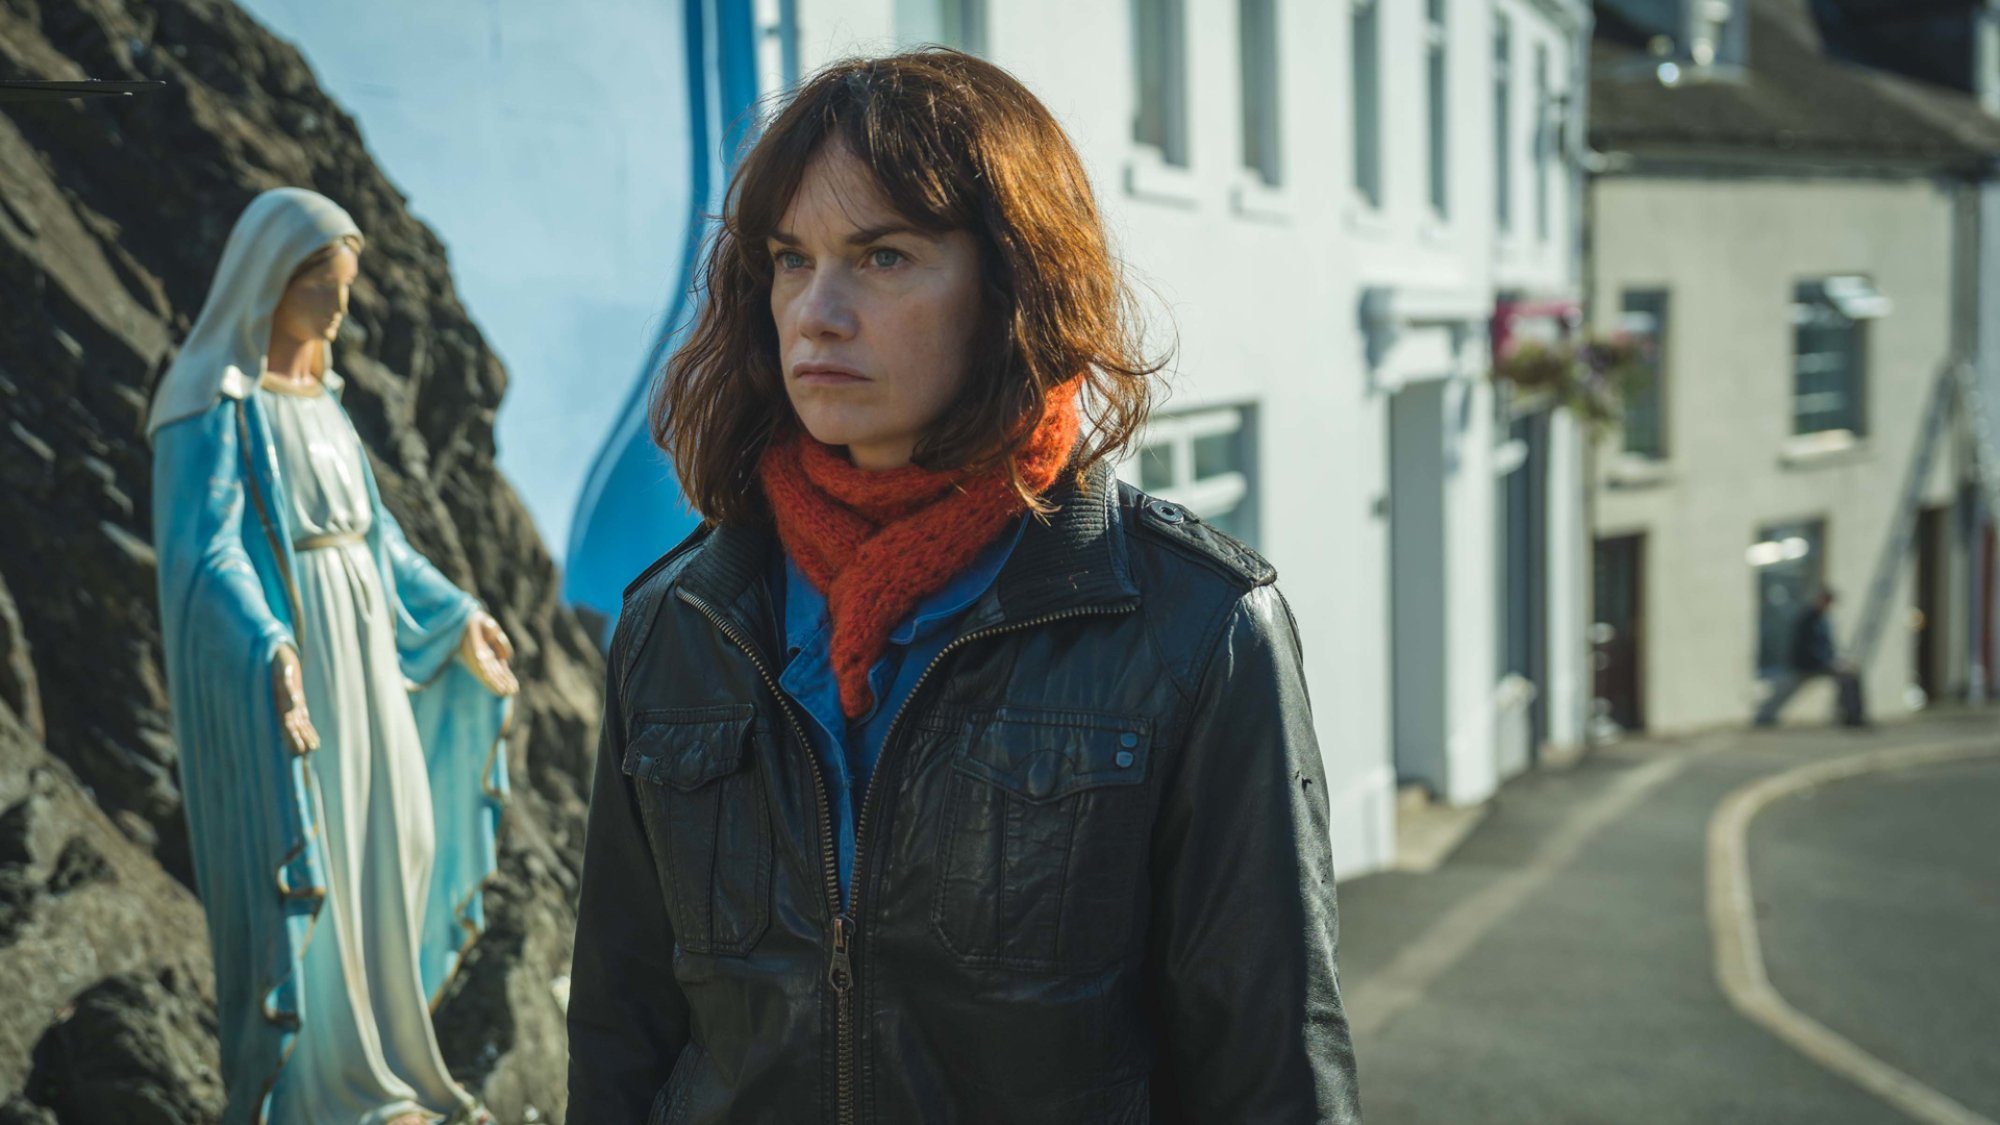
1167,513
1124,759
1128,740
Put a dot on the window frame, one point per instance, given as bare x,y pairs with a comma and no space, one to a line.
1810,579
1545,144
1262,155
1216,496
1503,123
958,24
1811,302
1437,123
1171,144
964,24
1365,91
1662,315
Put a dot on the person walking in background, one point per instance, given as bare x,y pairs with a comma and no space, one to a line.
338,702
1813,654
942,777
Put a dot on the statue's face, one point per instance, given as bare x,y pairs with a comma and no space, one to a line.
315,302
875,319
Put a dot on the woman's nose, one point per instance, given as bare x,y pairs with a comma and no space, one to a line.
826,308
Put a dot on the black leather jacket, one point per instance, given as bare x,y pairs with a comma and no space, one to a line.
1092,882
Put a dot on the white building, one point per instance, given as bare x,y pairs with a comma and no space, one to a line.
1328,198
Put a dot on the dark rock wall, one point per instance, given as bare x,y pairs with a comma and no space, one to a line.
112,217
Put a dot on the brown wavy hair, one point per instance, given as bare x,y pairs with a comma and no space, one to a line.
954,143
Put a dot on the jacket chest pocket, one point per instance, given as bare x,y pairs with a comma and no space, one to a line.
1044,840
708,823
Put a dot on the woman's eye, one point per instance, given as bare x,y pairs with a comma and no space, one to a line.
884,258
789,259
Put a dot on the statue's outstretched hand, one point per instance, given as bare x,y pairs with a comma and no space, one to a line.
288,692
486,650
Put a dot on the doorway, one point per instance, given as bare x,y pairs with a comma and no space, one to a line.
1418,623
1619,634
1927,621
1522,615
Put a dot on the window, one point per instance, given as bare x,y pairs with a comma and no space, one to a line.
964,25
953,23
1642,318
1545,140
1440,117
1788,560
777,51
1262,149
1503,122
1367,75
1159,35
1207,461
1829,357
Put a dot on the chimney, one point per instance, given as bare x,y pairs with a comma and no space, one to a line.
1986,54
1718,34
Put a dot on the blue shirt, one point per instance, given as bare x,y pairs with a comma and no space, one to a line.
847,751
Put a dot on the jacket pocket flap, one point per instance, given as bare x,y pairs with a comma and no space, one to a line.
1048,755
688,748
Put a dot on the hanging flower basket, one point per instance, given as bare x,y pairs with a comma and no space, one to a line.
1591,378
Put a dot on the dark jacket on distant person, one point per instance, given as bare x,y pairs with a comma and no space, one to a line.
1812,643
1092,883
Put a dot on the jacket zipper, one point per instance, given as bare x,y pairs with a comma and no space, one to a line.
840,960
844,926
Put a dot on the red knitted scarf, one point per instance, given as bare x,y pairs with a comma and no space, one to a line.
877,543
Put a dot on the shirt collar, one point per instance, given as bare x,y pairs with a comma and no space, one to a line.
805,607
962,590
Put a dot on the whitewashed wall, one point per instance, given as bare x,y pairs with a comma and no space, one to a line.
1265,293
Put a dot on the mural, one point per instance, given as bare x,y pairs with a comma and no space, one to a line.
631,510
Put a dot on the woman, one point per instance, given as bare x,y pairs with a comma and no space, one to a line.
943,778
338,764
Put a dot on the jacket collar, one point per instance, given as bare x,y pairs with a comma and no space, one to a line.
1073,560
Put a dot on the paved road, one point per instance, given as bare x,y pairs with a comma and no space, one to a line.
1561,966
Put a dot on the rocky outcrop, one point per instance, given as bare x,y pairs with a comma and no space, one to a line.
80,903
134,1049
112,216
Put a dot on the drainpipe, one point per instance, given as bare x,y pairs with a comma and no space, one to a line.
1982,349
1587,166
1981,346
1970,274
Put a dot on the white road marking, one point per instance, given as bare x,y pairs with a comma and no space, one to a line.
1739,954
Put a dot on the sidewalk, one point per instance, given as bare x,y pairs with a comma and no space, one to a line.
1561,965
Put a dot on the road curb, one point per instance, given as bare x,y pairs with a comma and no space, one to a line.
1739,953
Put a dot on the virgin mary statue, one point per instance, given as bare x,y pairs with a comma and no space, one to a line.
338,702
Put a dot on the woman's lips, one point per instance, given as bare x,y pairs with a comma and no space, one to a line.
827,376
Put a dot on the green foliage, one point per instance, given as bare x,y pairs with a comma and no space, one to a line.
1591,377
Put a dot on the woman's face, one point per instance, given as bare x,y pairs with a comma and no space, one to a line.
315,302
875,319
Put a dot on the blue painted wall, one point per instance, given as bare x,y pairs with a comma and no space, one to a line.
631,510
